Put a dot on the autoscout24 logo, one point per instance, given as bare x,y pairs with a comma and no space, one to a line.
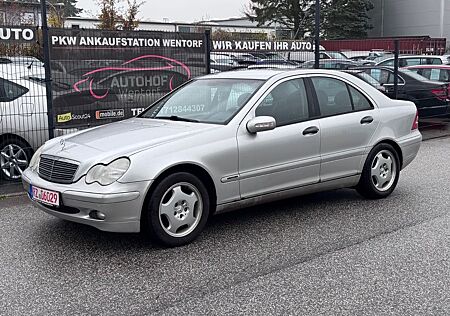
67,117
109,114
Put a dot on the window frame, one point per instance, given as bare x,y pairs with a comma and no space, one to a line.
348,84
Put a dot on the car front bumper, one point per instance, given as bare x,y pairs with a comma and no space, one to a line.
121,203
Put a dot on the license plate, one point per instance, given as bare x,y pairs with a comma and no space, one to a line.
44,196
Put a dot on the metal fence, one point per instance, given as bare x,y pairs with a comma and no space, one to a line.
97,76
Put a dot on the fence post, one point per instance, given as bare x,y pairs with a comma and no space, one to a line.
317,36
208,51
396,54
47,69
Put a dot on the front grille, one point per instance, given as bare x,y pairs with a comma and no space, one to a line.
56,170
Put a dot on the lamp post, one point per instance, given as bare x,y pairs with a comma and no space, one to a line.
317,36
47,69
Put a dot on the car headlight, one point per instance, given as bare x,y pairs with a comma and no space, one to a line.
108,174
34,162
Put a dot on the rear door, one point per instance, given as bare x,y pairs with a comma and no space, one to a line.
348,120
289,155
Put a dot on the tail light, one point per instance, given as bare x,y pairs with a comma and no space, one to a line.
416,122
441,93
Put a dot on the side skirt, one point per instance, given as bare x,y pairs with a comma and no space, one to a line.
340,183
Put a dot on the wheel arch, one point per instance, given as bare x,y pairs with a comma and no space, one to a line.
191,168
5,136
396,146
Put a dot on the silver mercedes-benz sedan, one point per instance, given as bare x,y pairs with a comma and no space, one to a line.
222,142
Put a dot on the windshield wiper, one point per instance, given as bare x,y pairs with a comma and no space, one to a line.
176,118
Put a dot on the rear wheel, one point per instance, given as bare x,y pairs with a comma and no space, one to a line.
15,155
178,210
381,172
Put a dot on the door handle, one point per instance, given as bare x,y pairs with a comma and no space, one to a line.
367,120
311,130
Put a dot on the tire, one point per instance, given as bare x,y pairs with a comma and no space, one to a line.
177,211
15,156
380,173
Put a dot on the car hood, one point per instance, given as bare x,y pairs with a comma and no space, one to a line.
121,138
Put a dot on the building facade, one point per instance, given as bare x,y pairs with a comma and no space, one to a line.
20,12
411,18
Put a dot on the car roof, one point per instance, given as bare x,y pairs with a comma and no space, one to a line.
16,72
429,67
266,74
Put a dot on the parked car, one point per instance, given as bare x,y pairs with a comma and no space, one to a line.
23,116
29,61
241,58
305,56
223,62
433,72
331,64
361,74
193,152
446,59
273,65
430,97
413,60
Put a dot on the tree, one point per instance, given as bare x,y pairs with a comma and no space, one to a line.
296,15
68,7
347,19
55,19
129,20
109,17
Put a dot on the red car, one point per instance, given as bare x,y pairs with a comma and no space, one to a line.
432,72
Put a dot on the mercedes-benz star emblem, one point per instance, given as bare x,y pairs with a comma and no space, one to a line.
62,142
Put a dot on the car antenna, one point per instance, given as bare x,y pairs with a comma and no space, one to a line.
30,65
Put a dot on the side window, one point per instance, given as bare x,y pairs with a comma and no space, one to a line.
434,61
360,102
332,95
425,73
410,62
287,103
10,91
380,75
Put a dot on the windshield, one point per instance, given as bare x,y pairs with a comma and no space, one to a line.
206,100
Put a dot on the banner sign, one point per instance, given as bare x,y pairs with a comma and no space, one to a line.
17,34
269,46
104,76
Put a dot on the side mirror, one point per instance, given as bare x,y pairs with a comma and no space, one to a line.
261,124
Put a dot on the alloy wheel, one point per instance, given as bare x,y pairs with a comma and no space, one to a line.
180,209
13,161
383,170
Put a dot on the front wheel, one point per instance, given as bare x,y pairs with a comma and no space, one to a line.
15,155
178,210
381,172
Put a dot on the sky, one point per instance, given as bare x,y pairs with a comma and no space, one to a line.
178,10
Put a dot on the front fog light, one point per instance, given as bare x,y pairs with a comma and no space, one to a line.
108,174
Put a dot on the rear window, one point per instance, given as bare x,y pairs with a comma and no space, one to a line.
413,75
